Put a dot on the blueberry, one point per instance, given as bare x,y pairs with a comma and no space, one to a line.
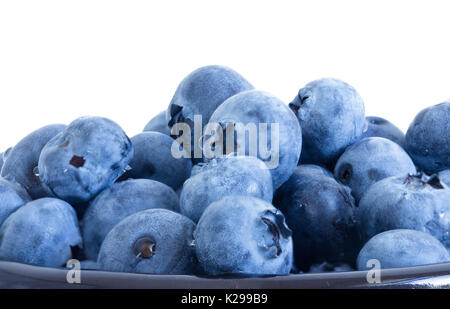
202,91
158,124
444,176
402,248
370,160
154,241
85,158
321,213
253,108
327,267
235,175
23,159
6,153
316,170
331,114
119,201
153,159
12,196
88,265
3,157
428,138
243,235
379,127
412,202
198,95
43,232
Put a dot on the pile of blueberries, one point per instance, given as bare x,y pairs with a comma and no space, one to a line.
347,190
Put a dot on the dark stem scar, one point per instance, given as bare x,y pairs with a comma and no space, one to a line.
77,161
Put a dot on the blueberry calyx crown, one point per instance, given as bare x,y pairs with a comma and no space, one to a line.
297,103
77,161
432,181
176,115
145,248
277,227
435,182
345,173
275,231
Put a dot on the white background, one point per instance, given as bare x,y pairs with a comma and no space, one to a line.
123,59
